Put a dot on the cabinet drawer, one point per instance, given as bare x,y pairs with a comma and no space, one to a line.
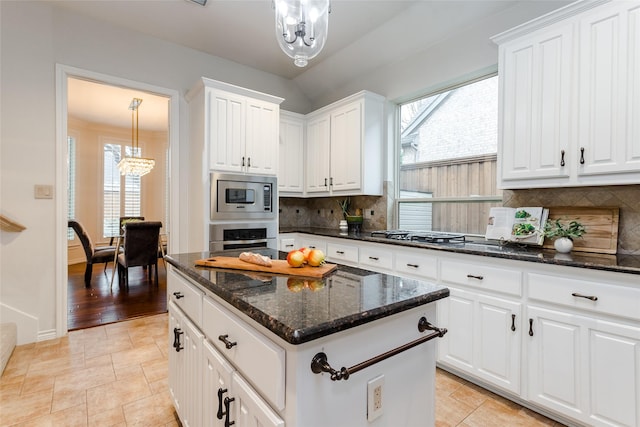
416,263
342,253
185,295
287,244
376,258
610,299
312,244
479,276
251,353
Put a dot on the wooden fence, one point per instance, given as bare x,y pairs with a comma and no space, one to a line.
467,177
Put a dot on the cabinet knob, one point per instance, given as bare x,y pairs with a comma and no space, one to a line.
513,322
530,327
225,339
582,155
589,297
220,412
243,161
227,403
176,339
178,295
562,158
248,162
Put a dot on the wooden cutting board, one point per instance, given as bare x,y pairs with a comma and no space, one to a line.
279,266
601,224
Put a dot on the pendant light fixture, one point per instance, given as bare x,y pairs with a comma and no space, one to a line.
301,28
135,164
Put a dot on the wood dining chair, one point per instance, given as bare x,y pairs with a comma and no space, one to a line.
141,239
94,254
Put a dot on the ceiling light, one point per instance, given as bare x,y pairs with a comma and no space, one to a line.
134,164
301,28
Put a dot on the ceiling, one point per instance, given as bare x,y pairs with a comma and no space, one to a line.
363,35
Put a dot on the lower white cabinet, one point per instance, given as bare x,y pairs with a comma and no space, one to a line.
185,385
227,399
483,338
585,368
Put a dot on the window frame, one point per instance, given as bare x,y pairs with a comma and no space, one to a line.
398,149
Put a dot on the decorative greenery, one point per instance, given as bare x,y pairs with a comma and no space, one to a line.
557,229
344,205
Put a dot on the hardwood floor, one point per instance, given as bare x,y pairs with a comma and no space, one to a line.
102,304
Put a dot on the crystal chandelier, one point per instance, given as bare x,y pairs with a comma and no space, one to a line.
301,28
134,164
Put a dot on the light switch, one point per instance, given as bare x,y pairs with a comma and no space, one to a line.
43,191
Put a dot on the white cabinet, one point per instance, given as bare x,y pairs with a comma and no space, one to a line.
318,146
484,337
582,362
185,382
291,153
535,90
570,93
236,127
227,399
344,147
609,90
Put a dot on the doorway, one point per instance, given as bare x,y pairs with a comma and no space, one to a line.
91,106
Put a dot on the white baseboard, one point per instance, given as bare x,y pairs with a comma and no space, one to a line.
27,325
47,335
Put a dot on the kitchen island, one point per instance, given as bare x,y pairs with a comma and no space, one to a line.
352,348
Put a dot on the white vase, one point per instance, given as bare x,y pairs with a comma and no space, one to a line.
563,245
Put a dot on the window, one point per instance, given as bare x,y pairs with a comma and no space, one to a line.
121,193
447,159
71,184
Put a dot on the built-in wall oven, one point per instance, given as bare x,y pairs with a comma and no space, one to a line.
243,211
239,235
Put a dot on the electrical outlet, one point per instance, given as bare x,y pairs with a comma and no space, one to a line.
368,213
374,397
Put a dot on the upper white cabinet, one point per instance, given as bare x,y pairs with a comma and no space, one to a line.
569,92
237,127
344,147
291,153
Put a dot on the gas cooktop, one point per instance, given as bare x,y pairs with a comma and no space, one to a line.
420,236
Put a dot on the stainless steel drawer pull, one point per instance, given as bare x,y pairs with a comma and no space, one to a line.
472,276
375,258
589,297
413,265
320,362
340,252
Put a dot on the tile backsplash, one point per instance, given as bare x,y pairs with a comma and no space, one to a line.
325,212
625,197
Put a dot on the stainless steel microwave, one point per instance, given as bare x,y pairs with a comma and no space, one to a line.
240,197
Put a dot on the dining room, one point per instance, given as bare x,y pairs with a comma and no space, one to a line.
117,169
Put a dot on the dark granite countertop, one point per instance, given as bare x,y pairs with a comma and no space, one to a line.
618,263
299,310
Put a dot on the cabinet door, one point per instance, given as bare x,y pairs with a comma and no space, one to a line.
456,313
261,154
225,128
185,381
498,335
535,93
346,148
216,386
614,373
556,362
248,408
609,90
291,152
317,164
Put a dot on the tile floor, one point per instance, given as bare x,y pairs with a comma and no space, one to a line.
116,375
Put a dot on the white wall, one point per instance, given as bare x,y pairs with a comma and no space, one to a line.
34,36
